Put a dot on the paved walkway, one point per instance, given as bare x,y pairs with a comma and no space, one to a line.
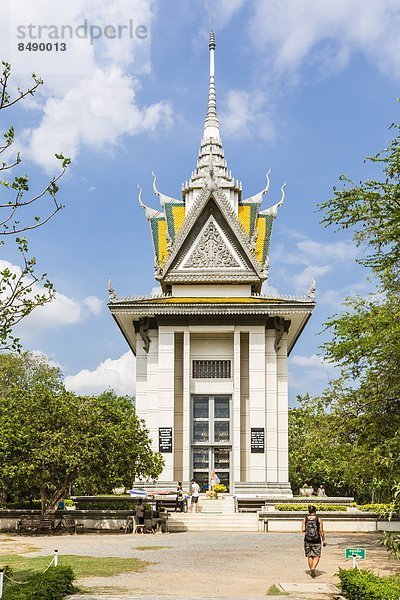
210,565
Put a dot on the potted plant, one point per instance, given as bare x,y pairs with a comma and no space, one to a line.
219,489
69,504
119,490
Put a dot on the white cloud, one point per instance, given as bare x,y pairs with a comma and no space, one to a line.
60,312
335,298
315,258
117,374
303,279
88,101
269,290
95,113
328,32
336,251
309,372
245,115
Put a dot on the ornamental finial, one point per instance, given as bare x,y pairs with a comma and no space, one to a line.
211,43
111,292
312,290
211,125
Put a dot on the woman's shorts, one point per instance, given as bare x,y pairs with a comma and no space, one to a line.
311,550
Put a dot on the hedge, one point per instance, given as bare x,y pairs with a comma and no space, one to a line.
383,510
304,507
365,585
24,504
54,584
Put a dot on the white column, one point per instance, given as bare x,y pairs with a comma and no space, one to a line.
282,405
257,395
152,389
141,380
271,406
235,467
186,405
166,392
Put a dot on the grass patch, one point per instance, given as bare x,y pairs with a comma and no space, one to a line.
275,591
83,566
150,547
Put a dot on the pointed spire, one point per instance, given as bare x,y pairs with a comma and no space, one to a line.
211,125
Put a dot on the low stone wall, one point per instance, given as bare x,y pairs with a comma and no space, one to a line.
349,522
93,520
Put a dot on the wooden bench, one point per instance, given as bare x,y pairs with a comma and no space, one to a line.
69,525
35,524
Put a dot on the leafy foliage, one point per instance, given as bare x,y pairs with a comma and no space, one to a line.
52,438
20,291
358,416
304,507
365,585
54,584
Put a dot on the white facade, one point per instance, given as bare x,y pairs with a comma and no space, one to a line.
211,380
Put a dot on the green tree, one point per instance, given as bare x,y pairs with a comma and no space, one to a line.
52,438
365,339
25,371
21,289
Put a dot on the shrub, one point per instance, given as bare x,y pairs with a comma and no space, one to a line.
365,585
24,504
116,505
304,507
54,584
383,510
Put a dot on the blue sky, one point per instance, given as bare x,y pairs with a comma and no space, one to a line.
304,87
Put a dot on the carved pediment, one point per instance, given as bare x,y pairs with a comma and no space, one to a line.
212,250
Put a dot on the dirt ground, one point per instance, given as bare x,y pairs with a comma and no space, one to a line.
201,564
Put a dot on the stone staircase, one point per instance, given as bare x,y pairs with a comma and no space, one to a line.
214,515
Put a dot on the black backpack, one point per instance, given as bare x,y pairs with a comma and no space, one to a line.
312,535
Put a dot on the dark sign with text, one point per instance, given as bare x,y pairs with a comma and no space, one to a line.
257,440
165,439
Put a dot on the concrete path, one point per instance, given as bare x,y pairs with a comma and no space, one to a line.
210,565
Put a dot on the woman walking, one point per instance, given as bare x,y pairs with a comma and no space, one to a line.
314,535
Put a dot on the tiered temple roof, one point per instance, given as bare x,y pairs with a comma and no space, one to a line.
243,227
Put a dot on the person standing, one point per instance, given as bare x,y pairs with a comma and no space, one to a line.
214,480
314,535
321,490
195,492
180,498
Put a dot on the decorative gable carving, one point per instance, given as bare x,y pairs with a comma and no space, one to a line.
211,248
211,251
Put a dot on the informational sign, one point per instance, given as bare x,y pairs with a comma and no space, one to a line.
358,553
257,440
165,439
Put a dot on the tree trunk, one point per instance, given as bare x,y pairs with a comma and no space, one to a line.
60,492
42,500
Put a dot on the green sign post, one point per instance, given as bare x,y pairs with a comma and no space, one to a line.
359,553
355,554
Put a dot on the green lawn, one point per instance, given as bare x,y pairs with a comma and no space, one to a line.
83,566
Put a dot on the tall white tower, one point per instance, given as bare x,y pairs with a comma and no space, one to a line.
211,351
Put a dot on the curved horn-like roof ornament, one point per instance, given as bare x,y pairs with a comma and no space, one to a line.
273,210
257,198
163,197
150,212
312,290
